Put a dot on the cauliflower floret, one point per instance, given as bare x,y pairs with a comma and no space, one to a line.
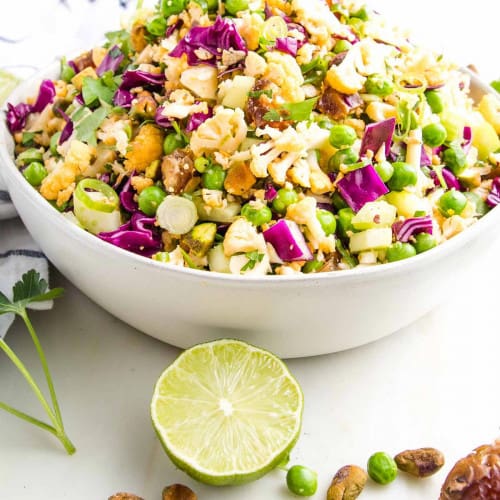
305,53
201,80
174,67
300,173
114,132
377,28
181,105
255,65
379,111
224,132
283,70
304,213
146,148
345,77
373,57
249,27
320,22
320,182
64,175
241,237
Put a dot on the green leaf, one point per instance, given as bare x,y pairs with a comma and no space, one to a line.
496,85
257,93
253,258
6,305
94,91
29,286
272,116
27,138
86,129
293,111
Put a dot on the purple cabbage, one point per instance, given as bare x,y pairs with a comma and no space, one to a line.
68,128
79,99
377,134
160,119
138,78
288,241
214,39
17,115
361,186
270,193
288,45
111,61
127,197
467,139
425,159
123,98
138,235
493,198
196,119
404,230
449,178
171,29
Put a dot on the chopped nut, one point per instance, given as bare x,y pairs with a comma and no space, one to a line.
178,492
177,170
138,37
347,484
422,462
124,496
475,477
239,180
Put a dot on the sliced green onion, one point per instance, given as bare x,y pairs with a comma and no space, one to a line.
97,210
275,27
177,214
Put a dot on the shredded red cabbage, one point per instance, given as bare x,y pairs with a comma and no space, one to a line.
467,139
449,178
361,186
79,99
425,159
138,78
160,119
214,39
127,197
123,98
68,128
171,29
270,193
111,61
377,134
196,119
17,115
288,45
288,241
404,230
493,198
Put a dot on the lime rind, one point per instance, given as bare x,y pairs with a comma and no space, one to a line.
242,400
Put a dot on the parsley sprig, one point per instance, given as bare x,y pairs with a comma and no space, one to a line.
30,289
253,259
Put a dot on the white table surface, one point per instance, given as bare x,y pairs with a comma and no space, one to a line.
434,383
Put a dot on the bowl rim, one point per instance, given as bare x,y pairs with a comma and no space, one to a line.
418,261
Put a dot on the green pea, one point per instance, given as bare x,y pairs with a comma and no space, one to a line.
342,135
172,142
213,177
312,266
434,135
342,46
54,142
302,481
150,198
157,26
435,101
327,221
284,198
379,86
382,468
201,164
257,216
338,202
235,6
385,170
35,173
212,5
400,251
345,156
171,7
345,216
424,242
404,175
452,203
455,159
30,155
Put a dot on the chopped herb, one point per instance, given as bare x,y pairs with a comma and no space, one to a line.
257,93
315,71
67,72
253,258
86,129
294,111
496,85
95,91
344,253
27,138
28,290
120,38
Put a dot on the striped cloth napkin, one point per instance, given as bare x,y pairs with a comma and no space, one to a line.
32,35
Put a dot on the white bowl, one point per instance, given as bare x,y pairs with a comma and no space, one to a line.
290,315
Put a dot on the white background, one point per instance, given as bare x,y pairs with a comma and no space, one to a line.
434,383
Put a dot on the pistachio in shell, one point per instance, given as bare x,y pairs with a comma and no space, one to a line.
422,462
178,492
347,484
124,496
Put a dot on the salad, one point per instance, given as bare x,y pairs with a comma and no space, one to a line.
262,137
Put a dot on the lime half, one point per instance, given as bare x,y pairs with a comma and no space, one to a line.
227,412
7,84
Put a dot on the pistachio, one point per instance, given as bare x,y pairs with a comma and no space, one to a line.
178,492
422,462
347,484
124,496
